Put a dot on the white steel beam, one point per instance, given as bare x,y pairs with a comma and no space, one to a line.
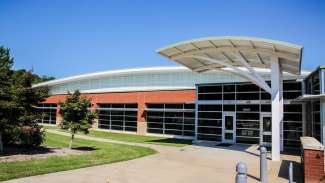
244,62
289,56
277,107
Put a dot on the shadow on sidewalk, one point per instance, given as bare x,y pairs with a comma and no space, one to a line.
297,171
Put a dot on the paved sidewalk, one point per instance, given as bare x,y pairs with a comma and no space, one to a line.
85,137
191,164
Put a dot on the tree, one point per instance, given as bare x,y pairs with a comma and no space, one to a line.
75,114
35,78
40,79
18,99
28,98
6,103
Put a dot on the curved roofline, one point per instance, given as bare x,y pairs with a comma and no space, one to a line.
232,38
134,89
127,71
112,73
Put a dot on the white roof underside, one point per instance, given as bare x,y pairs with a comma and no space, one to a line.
255,51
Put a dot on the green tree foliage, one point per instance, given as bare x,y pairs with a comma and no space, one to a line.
40,79
18,101
28,98
76,115
35,78
6,103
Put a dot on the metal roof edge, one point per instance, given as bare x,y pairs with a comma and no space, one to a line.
232,38
110,73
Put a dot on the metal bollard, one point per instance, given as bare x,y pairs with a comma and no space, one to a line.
290,173
263,165
241,170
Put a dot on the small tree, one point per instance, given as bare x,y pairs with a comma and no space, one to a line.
75,114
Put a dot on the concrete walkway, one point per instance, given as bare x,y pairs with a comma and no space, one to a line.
191,164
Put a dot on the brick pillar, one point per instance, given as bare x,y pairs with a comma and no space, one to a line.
95,122
141,122
58,115
313,160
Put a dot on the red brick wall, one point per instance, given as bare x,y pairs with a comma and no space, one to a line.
313,166
141,98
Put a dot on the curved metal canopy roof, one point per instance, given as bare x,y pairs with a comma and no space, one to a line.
218,52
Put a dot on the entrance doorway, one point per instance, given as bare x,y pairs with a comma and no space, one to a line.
266,129
228,127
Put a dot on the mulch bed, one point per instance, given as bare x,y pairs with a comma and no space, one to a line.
15,153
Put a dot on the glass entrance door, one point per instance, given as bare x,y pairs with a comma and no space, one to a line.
266,129
228,128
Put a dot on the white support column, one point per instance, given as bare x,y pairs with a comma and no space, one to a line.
322,105
276,107
196,112
281,109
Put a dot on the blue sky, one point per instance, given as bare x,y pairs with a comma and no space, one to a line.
62,38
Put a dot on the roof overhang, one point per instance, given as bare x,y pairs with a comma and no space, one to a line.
308,97
232,51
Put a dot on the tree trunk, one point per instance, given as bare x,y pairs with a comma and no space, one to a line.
1,144
71,140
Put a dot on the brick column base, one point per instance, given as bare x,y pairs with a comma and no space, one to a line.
142,128
58,120
94,126
313,166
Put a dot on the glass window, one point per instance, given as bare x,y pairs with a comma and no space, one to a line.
210,89
248,108
247,140
229,107
266,108
48,113
210,96
247,133
173,119
291,86
207,107
229,88
248,112
248,96
229,96
247,88
118,117
213,123
248,116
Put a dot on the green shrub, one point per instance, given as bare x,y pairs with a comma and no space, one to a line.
31,136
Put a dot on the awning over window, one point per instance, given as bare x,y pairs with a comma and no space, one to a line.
230,53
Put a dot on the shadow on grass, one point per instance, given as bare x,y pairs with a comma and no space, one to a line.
85,148
171,141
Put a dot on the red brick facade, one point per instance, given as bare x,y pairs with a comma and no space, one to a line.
141,98
313,166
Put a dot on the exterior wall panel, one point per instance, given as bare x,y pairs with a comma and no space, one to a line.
140,98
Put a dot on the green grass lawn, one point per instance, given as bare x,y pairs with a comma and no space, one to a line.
134,138
104,153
